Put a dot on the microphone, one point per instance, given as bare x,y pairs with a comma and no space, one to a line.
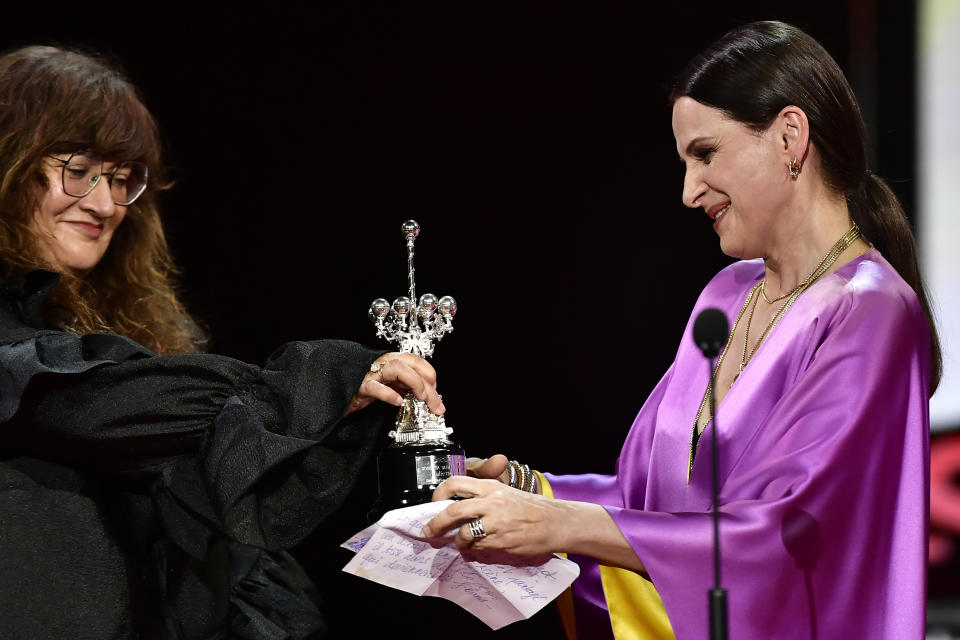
710,331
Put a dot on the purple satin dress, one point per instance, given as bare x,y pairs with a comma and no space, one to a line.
823,467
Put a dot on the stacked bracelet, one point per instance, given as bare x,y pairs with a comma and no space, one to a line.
521,477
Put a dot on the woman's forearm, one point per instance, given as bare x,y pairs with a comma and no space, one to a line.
591,531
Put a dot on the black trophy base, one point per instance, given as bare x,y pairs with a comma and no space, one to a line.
409,473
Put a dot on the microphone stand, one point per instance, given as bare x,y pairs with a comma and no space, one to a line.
710,332
717,596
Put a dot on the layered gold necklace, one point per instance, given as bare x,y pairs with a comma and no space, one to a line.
836,250
844,243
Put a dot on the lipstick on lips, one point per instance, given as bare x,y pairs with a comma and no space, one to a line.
716,212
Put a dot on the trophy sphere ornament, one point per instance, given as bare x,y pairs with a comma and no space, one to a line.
410,229
448,306
428,304
421,455
380,308
401,305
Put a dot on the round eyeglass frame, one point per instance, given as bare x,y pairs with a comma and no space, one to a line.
96,181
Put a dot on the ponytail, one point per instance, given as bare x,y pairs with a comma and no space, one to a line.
883,223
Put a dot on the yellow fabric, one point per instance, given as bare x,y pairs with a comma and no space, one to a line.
636,610
565,599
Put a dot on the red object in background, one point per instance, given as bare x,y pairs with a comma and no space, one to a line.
945,514
944,497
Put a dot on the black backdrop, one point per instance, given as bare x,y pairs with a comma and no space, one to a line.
531,141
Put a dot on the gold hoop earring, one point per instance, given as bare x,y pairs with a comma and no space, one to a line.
793,168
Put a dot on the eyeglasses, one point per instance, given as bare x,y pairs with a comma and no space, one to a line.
82,172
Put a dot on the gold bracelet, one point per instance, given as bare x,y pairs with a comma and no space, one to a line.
521,477
516,474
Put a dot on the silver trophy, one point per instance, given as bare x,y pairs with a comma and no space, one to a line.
421,455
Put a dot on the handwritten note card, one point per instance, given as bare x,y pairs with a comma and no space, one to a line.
393,552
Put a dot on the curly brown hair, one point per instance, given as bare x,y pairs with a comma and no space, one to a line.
57,101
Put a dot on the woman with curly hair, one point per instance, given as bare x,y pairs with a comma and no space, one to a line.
146,489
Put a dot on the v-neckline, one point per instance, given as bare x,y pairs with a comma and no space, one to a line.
697,435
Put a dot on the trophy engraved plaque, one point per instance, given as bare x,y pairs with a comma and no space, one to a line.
421,455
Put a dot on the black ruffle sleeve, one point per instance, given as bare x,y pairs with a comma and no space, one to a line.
261,455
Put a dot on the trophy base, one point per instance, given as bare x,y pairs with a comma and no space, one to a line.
409,472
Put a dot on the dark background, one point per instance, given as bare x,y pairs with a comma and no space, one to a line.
531,141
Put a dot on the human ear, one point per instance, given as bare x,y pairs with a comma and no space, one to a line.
793,130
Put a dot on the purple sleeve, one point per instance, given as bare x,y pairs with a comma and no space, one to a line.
589,602
823,515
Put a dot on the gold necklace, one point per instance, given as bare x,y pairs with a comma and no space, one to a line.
707,393
838,248
842,245
763,292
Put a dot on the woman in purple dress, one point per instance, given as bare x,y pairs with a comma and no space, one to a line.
821,391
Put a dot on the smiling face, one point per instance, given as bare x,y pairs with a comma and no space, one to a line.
738,177
73,233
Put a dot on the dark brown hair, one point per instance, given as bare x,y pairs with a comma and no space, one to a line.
58,101
756,70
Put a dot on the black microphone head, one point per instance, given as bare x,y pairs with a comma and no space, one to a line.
710,331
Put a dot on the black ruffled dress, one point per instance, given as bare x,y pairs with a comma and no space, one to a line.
152,497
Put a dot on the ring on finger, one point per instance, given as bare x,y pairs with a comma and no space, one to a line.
377,368
476,529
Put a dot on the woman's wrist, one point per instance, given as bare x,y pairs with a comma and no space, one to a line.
592,532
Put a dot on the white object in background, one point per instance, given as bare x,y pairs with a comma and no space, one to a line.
937,169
